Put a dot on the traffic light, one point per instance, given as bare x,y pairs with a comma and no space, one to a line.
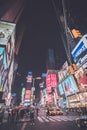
72,68
76,33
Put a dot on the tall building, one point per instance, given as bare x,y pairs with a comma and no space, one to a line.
50,62
11,33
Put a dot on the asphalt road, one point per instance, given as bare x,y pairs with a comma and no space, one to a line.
62,122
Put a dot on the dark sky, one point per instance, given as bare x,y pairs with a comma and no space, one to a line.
42,32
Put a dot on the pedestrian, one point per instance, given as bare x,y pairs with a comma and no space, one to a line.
1,115
67,112
47,113
32,116
9,114
37,111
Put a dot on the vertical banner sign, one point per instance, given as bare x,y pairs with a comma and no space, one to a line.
27,94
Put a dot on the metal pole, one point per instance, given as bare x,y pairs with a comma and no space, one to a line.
66,31
33,81
62,30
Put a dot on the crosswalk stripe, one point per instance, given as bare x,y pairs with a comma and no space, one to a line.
51,119
62,118
56,118
40,119
45,119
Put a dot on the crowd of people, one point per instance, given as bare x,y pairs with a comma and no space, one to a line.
17,113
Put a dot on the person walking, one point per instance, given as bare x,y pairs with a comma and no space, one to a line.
47,113
37,111
32,116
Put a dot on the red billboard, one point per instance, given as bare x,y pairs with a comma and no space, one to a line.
81,79
51,80
27,94
49,98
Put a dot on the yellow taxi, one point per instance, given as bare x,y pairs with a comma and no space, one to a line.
55,111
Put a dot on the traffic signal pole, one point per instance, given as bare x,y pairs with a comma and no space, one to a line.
60,27
66,33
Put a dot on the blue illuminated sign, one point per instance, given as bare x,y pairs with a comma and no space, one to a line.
43,75
79,53
30,73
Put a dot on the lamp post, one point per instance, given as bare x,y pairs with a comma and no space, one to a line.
33,88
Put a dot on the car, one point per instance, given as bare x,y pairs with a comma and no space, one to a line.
59,112
55,111
81,121
51,112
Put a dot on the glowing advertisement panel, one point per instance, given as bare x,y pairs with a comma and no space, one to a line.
60,88
51,80
29,78
1,87
69,86
49,98
3,57
81,79
49,89
10,74
6,30
44,91
27,94
79,53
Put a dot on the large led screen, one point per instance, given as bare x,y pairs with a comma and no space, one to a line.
3,57
60,89
69,86
51,80
79,53
81,79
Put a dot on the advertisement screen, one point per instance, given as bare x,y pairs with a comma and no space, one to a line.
51,80
81,79
1,87
27,94
79,53
49,98
29,78
60,88
3,57
10,74
69,86
49,89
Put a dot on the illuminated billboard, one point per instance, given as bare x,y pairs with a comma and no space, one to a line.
60,89
3,59
68,86
81,79
51,80
27,94
29,78
49,98
79,53
6,30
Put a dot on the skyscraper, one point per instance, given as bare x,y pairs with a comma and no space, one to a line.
50,62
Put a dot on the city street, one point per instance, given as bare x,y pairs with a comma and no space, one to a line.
60,122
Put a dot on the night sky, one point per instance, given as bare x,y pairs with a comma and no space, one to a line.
42,32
